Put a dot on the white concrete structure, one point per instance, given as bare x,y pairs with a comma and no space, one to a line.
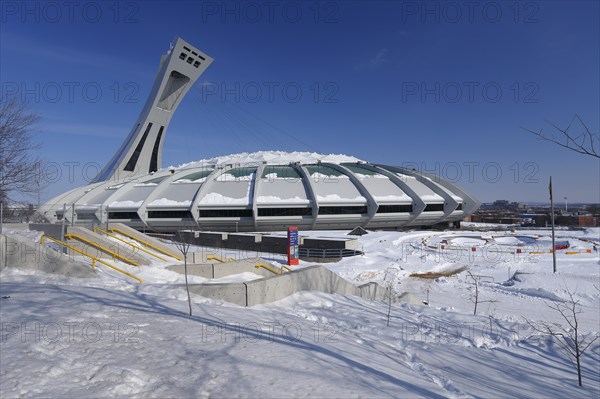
248,192
141,152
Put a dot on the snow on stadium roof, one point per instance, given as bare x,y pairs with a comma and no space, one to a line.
271,158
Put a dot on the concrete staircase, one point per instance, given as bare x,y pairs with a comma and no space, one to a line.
102,247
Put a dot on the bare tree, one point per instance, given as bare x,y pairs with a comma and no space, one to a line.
390,297
475,297
19,168
183,245
583,142
391,275
573,342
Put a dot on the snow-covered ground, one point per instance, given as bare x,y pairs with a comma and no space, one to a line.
64,337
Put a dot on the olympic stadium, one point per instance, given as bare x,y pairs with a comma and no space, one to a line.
262,191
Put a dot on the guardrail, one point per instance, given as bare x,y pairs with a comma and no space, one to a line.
98,229
324,253
271,269
162,251
100,247
212,257
93,258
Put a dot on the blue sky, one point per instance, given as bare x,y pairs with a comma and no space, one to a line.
441,86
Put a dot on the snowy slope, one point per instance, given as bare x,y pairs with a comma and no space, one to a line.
64,337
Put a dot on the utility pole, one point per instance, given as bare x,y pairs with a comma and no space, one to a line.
552,221
62,226
1,215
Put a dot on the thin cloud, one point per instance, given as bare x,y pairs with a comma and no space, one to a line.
65,55
374,62
86,130
379,59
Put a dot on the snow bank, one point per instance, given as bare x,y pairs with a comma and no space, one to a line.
220,199
168,202
271,199
337,198
125,204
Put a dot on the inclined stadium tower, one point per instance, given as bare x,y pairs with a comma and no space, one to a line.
247,192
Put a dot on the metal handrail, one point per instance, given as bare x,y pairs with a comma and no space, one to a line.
162,251
128,243
327,252
94,259
100,247
269,268
212,257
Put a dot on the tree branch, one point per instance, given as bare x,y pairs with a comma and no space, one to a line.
577,143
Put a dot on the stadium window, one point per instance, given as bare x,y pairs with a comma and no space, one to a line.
274,212
86,216
342,210
434,208
394,209
169,215
225,213
123,215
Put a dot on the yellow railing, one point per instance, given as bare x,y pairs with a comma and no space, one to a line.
162,251
100,247
93,258
98,229
271,269
213,257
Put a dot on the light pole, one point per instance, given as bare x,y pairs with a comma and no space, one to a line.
552,220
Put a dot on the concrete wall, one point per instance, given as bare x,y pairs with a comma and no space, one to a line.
8,226
232,292
313,278
373,291
205,271
242,266
49,229
20,252
218,270
121,249
276,287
